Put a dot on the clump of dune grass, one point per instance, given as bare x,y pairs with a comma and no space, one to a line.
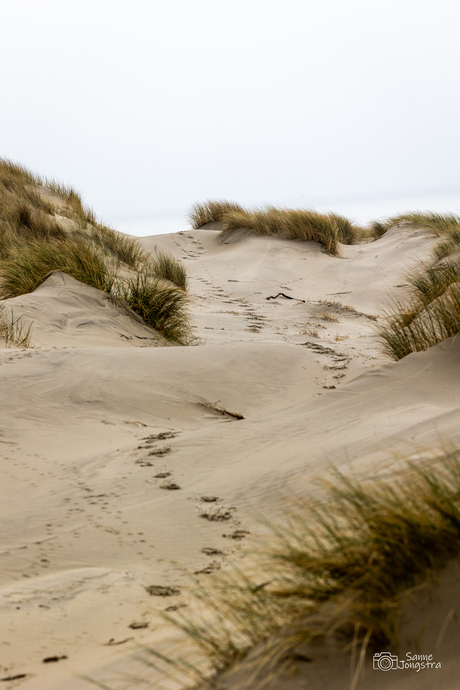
12,329
167,267
347,232
429,311
414,326
15,175
160,305
123,248
437,223
448,244
29,265
210,212
288,224
338,564
35,241
295,224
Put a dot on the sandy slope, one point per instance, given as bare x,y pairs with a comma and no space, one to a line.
86,523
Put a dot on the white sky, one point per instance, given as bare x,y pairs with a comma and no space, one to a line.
146,107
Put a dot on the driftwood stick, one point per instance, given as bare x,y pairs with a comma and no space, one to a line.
282,294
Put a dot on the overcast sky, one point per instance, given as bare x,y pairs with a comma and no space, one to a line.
147,106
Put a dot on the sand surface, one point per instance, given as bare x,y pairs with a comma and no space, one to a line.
99,424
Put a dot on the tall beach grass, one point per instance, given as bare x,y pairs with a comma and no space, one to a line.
34,242
329,230
13,329
168,268
437,223
161,306
429,310
340,564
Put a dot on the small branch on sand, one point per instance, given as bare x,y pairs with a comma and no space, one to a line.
221,410
282,294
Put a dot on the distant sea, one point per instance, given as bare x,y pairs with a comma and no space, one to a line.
361,211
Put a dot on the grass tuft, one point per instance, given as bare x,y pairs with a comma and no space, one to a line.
160,305
295,224
430,310
29,265
124,248
437,223
167,267
12,330
339,563
45,227
210,212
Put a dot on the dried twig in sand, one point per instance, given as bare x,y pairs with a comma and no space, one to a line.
282,294
222,410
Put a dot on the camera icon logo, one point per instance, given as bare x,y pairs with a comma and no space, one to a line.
385,661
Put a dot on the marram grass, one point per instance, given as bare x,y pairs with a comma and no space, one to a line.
12,329
329,230
27,266
168,268
161,306
34,242
437,223
429,310
340,563
210,212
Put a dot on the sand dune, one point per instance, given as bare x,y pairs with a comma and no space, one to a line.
99,425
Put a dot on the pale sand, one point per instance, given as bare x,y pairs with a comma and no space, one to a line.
85,525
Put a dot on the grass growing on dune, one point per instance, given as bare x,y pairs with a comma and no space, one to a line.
417,324
12,330
123,248
437,223
429,312
29,265
160,305
210,212
45,227
167,267
26,183
295,224
340,563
